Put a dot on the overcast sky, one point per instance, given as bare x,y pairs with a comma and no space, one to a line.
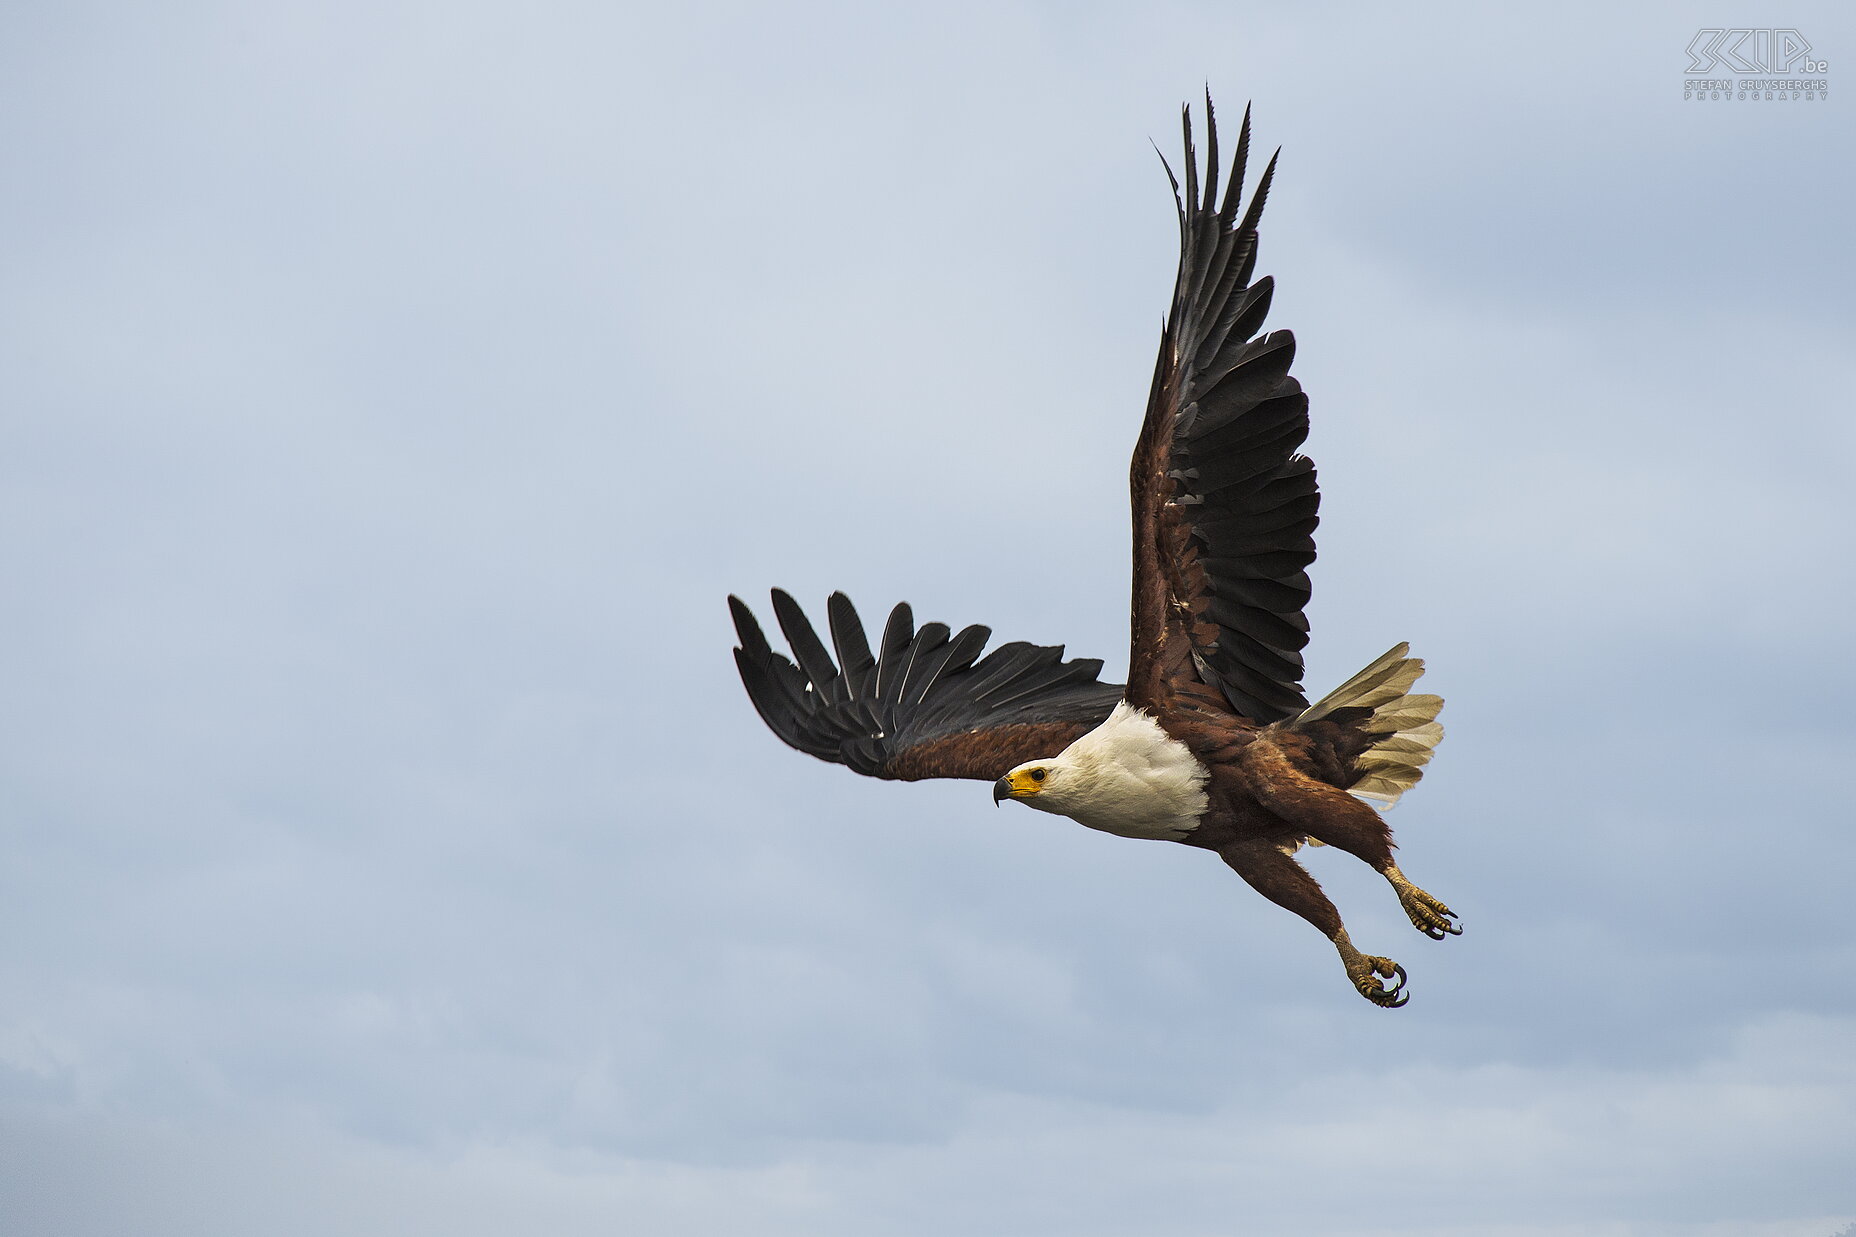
391,393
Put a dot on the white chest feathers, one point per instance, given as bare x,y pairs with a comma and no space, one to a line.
1126,776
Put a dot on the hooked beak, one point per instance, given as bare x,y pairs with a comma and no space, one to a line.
1001,789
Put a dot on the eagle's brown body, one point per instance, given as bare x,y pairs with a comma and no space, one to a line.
1211,742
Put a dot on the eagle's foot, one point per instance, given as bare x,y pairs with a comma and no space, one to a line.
1366,978
1427,914
1366,971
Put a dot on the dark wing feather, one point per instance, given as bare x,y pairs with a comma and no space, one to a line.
925,704
1224,508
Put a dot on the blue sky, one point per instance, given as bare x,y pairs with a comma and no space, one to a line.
391,394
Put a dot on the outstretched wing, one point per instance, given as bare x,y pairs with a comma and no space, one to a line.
924,704
1224,508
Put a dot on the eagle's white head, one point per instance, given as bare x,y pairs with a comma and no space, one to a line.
1127,776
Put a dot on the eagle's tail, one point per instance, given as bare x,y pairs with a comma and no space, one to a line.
1402,728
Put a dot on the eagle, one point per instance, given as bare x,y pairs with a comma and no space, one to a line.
1211,742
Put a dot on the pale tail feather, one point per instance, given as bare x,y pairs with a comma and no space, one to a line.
1405,727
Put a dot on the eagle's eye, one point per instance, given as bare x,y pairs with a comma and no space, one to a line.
1037,775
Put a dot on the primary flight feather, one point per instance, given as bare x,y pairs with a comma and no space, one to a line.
1211,742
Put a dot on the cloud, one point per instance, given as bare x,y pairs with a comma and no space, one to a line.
1341,1150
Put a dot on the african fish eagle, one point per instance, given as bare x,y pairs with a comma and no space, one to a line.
1211,742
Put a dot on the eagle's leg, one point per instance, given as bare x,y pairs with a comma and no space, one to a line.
1331,815
1287,883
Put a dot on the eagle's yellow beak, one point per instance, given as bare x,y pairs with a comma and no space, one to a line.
1018,784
